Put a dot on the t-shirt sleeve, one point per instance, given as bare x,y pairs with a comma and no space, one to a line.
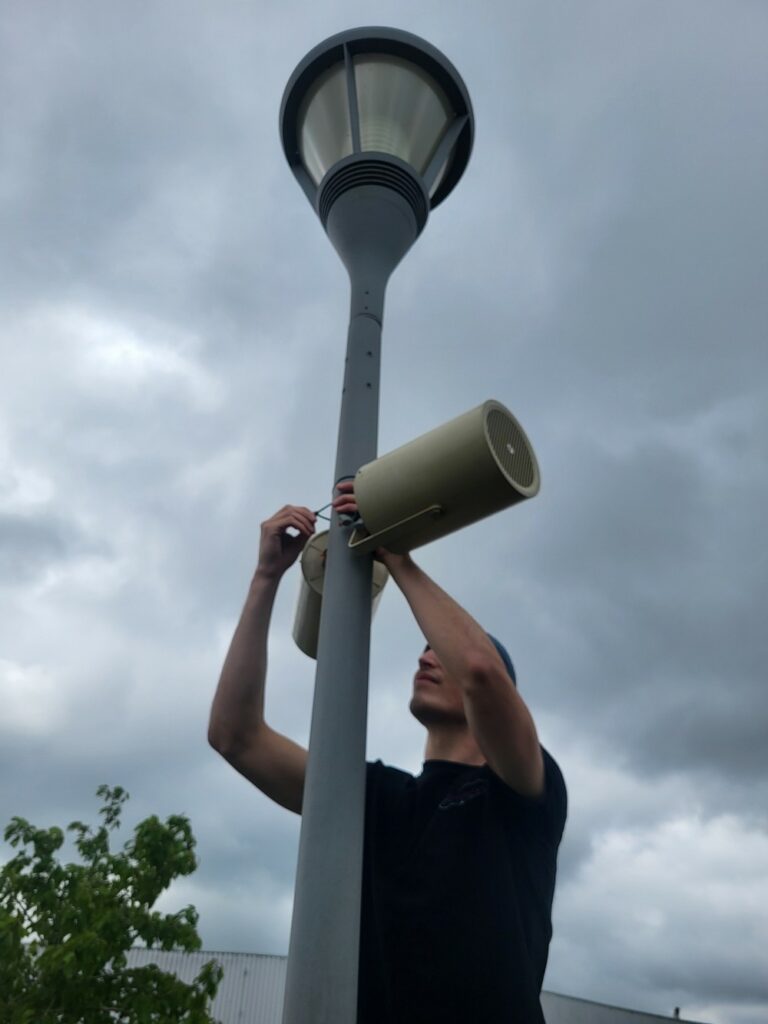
555,799
381,780
375,773
546,813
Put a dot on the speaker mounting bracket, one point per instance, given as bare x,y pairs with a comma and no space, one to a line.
362,542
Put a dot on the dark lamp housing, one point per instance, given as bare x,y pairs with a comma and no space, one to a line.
376,105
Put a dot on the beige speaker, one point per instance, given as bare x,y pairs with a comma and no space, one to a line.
467,469
306,625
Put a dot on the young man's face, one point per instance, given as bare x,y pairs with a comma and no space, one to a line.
437,698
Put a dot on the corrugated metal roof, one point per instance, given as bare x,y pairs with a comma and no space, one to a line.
251,991
571,1010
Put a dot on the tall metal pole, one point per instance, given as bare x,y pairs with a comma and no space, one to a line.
372,227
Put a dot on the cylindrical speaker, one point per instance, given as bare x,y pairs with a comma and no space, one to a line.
306,625
465,470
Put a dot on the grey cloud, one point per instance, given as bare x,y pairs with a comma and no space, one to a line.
642,564
599,270
31,543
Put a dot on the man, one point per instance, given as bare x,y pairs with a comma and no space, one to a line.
459,862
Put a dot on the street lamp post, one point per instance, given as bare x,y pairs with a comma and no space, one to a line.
377,127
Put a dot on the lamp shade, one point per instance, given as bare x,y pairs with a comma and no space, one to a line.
325,131
377,92
402,111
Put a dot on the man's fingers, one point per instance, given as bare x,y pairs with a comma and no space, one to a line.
304,525
298,517
289,509
281,522
345,500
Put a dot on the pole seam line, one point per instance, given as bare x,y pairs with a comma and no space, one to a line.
368,316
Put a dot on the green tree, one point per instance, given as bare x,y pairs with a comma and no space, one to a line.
65,928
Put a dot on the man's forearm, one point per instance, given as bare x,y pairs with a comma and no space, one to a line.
238,705
497,716
457,639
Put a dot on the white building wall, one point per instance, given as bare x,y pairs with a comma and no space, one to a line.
251,991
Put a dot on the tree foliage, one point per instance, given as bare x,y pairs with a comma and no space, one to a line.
65,928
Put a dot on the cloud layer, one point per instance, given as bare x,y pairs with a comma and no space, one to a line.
172,331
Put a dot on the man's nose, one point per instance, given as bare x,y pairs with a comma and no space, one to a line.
427,660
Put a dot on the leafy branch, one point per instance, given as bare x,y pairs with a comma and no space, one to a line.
65,929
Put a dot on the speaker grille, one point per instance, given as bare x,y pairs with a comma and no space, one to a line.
374,172
510,446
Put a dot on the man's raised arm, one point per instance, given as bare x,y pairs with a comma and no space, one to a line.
497,715
237,729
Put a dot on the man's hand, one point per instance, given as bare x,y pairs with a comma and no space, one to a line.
279,549
346,505
345,501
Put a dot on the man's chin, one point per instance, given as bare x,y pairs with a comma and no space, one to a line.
421,710
428,714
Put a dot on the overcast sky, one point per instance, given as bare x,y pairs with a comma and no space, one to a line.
173,323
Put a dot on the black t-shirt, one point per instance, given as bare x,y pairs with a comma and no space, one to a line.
458,881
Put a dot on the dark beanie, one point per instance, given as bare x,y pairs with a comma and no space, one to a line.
504,654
